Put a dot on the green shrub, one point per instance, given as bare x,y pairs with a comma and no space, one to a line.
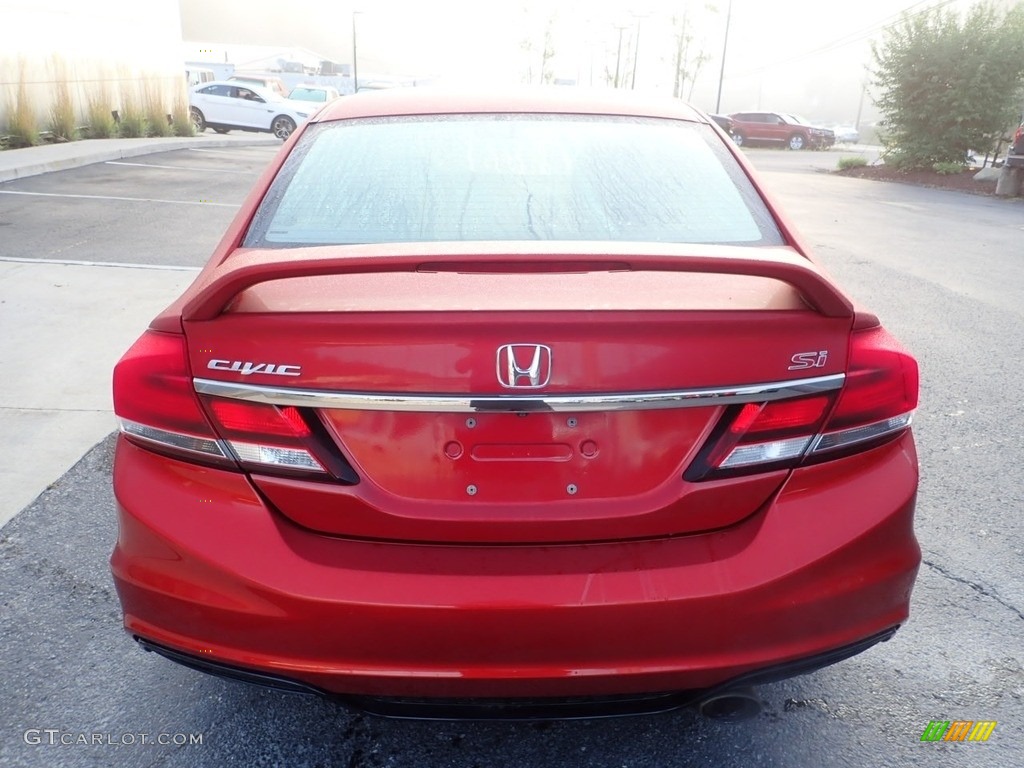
947,81
948,169
845,163
63,120
181,118
133,123
158,125
62,112
156,115
22,127
182,124
99,109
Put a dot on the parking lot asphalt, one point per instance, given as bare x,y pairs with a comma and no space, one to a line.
76,289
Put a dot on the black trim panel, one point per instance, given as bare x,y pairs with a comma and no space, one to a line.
524,709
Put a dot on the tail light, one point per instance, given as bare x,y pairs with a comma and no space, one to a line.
878,398
875,404
264,435
157,407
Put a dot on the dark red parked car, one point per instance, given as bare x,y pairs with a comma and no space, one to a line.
779,129
527,404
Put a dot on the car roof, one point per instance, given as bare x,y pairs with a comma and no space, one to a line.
261,90
234,83
435,100
259,78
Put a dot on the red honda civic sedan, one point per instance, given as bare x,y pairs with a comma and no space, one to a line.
530,404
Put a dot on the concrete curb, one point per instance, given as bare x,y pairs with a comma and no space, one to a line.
1010,181
33,161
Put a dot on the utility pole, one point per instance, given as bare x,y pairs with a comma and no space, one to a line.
725,47
355,65
860,105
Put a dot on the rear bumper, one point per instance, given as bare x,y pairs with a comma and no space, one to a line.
206,571
523,708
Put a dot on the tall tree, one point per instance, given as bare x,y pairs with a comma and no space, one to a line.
949,84
546,74
689,54
531,20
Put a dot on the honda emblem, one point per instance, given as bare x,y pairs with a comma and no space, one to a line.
524,366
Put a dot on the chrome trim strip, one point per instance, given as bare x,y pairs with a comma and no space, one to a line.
843,438
423,403
209,447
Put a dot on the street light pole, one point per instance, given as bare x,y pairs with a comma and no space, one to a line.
618,57
355,65
725,47
860,105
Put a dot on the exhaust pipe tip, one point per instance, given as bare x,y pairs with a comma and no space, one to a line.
731,706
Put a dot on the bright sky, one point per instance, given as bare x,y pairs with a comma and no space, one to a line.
786,55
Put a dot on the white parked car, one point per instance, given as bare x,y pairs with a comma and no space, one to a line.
846,134
224,105
317,93
266,82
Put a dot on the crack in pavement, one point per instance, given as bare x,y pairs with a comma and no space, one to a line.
979,588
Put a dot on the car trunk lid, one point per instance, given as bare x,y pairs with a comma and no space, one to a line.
421,382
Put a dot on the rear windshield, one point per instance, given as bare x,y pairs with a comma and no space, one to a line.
511,177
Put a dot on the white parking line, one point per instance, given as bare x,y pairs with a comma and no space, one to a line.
123,199
223,152
78,263
178,167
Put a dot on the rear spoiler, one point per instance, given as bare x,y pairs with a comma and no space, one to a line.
247,268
